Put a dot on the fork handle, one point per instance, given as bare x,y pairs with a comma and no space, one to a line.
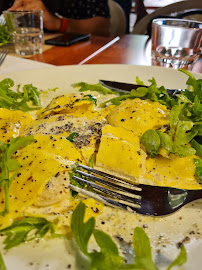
194,195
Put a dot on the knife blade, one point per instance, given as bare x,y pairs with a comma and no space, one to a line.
127,87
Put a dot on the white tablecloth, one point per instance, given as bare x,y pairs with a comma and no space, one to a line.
13,64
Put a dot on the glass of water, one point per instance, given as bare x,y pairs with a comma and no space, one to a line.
176,43
26,30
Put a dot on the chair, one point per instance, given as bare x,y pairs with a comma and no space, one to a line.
190,9
117,20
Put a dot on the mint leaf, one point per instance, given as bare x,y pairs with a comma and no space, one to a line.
82,231
27,229
181,258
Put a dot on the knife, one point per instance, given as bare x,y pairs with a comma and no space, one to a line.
127,87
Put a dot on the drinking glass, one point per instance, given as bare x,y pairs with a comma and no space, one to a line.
26,30
176,43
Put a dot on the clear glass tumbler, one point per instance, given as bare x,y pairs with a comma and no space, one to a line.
26,30
176,43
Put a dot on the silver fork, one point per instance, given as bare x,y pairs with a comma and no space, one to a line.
143,199
3,55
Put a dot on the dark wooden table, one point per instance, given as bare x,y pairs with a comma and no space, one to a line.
130,49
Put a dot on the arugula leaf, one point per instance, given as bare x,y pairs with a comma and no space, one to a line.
142,250
116,100
181,258
72,136
18,100
7,164
90,98
184,134
198,147
108,257
198,172
92,87
26,230
73,181
82,231
2,264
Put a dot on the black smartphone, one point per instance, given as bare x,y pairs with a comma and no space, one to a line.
67,39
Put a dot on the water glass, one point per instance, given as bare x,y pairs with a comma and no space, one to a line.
176,43
26,30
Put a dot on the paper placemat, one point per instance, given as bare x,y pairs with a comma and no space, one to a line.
13,64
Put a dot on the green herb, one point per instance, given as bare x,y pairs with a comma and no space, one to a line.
198,172
198,147
108,257
73,181
181,258
91,98
91,161
19,100
142,250
27,229
4,35
151,141
2,264
92,87
8,164
72,136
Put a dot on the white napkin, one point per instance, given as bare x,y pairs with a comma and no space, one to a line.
13,64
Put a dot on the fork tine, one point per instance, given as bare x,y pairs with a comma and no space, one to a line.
111,184
116,179
109,192
104,200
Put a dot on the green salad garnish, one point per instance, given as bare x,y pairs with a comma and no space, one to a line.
108,255
4,35
8,164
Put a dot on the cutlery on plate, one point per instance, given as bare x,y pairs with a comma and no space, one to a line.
127,87
143,199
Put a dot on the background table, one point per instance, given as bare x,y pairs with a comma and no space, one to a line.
130,49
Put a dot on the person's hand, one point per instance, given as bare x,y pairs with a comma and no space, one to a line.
50,21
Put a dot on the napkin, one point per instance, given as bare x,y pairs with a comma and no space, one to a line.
13,64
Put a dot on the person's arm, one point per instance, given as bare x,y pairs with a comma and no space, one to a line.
95,26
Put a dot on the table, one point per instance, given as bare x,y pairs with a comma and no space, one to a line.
130,49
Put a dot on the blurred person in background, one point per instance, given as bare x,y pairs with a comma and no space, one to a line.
72,16
126,5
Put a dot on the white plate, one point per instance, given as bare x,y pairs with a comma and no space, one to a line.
164,233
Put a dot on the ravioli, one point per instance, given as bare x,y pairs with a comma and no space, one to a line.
12,122
119,152
139,115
